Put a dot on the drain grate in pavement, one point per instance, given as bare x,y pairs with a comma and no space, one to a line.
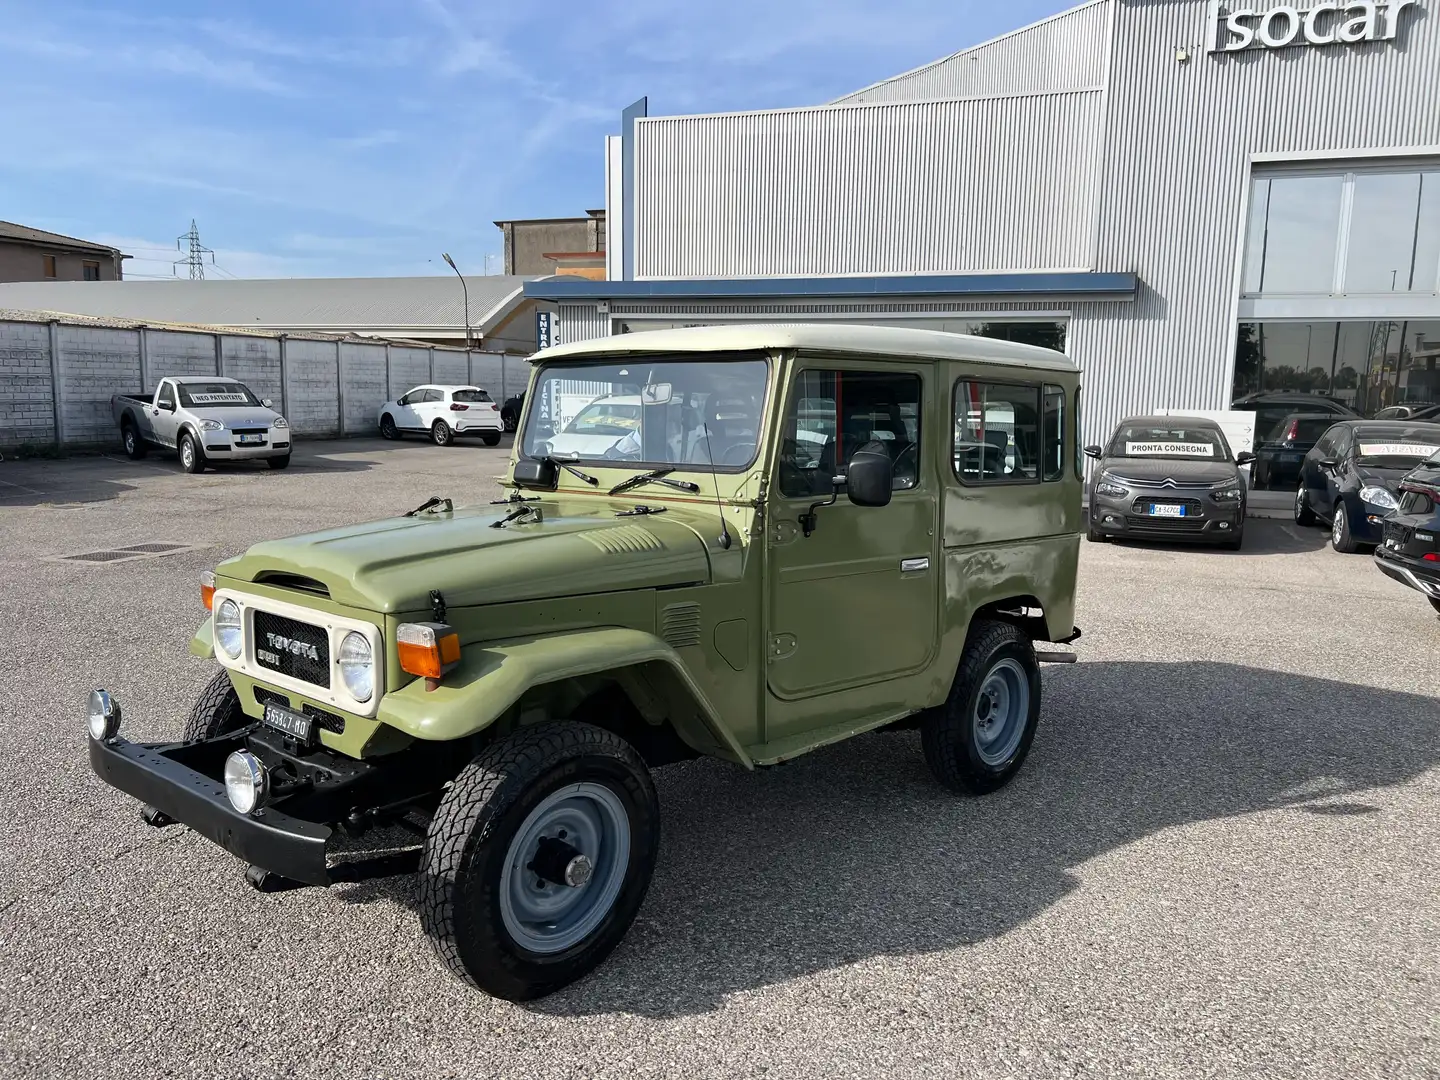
101,556
151,550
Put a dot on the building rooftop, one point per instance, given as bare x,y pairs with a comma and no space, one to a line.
872,341
413,304
24,234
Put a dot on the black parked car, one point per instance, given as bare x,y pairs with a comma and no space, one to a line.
1272,406
1408,552
1350,478
1279,452
510,411
1168,478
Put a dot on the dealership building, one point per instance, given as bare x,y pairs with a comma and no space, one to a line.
1195,200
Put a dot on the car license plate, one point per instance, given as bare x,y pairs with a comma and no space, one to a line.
296,725
250,440
1166,510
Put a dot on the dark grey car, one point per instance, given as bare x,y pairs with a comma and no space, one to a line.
1168,478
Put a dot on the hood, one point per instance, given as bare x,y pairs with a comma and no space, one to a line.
391,565
241,416
1157,470
1386,478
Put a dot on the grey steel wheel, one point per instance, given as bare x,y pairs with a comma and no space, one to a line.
1002,708
565,867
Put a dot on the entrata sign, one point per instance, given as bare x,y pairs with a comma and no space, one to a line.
1329,22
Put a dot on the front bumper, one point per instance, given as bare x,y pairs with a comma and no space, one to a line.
1205,520
182,781
1421,576
229,450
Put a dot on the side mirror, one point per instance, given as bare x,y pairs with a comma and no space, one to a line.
536,473
868,478
1328,463
266,402
1092,451
165,406
1245,457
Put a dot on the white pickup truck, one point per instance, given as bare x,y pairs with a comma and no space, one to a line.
204,419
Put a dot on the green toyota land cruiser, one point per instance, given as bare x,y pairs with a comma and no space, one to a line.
741,542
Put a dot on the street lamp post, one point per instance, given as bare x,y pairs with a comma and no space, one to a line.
463,288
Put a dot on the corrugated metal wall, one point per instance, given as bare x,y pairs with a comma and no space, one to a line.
1178,147
870,189
1066,52
582,322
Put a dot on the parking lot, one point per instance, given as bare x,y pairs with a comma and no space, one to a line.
1220,859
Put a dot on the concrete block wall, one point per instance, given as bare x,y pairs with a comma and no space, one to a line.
27,397
255,361
365,391
408,367
451,368
170,354
96,363
312,378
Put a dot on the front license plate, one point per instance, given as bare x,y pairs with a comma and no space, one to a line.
1166,510
296,725
250,440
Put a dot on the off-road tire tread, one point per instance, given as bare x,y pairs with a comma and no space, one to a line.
476,804
943,729
216,711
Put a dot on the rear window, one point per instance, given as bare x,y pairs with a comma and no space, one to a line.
1300,429
470,395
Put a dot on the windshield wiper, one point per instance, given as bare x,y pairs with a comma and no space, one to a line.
571,469
656,476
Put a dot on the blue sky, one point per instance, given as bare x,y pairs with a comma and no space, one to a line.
364,137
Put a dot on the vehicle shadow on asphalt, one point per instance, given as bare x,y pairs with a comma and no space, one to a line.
854,852
1263,536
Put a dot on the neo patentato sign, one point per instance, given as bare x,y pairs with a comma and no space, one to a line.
1326,23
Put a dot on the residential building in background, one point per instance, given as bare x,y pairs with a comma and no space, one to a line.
28,254
541,247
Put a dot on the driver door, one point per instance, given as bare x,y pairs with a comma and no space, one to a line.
167,427
855,602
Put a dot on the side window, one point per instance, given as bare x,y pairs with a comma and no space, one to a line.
407,399
833,414
428,396
997,433
166,396
1054,432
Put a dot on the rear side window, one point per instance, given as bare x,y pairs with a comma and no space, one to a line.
998,436
1054,432
470,396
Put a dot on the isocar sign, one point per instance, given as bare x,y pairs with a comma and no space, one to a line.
1326,23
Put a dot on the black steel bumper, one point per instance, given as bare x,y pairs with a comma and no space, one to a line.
176,779
1409,572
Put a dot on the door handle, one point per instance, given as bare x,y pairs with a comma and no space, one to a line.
909,566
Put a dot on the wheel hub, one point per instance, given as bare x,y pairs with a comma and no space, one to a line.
561,863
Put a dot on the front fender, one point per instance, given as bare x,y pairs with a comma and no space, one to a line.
203,643
492,676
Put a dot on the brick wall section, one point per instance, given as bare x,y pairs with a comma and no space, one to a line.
27,409
408,367
175,355
256,363
95,364
313,406
364,367
451,369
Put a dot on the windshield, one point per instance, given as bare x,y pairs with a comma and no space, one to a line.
215,395
1395,447
1190,442
649,411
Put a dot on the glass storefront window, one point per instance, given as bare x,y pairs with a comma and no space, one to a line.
1381,251
1426,277
1301,229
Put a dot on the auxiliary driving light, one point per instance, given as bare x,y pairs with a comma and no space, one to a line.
245,781
104,715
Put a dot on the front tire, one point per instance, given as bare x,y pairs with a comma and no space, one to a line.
440,433
135,447
505,899
191,458
1341,539
388,430
281,462
492,438
976,742
1303,514
217,711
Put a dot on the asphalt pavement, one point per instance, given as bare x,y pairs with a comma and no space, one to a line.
1221,858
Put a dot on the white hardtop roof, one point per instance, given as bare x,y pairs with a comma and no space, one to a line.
200,378
880,342
444,386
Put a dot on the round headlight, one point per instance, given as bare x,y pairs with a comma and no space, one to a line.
104,716
227,628
357,666
244,781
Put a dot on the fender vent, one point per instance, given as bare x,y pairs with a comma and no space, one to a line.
680,625
624,540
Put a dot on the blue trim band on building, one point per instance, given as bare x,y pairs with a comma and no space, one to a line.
1065,284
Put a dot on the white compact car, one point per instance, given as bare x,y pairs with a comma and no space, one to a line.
445,413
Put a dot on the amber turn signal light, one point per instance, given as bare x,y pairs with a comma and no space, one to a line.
427,649
207,589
